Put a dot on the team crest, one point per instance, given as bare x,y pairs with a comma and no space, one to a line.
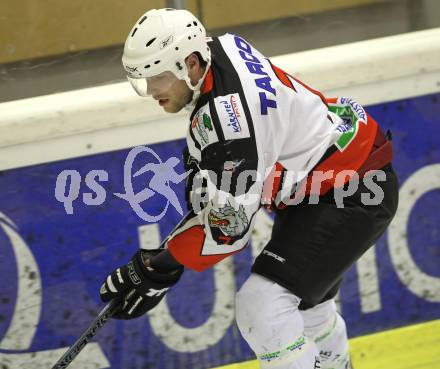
229,221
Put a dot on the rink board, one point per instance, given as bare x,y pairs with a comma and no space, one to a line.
52,264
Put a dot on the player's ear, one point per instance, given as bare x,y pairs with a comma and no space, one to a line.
192,63
194,67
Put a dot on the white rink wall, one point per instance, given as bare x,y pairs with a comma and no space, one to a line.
111,117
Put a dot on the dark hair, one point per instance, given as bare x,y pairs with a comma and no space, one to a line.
202,62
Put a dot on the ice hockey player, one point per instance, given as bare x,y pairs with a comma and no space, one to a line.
258,137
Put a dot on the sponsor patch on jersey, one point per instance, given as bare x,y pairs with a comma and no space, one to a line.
203,127
232,118
352,114
357,108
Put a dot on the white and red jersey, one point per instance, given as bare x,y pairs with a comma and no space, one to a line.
252,117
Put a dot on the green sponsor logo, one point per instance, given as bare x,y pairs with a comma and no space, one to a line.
297,345
203,124
207,123
352,114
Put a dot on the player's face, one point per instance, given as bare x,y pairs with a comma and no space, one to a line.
178,94
170,92
174,97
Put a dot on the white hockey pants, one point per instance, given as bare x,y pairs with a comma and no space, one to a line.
284,337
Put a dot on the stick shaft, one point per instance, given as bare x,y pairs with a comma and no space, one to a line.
105,314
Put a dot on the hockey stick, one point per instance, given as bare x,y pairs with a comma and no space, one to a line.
105,314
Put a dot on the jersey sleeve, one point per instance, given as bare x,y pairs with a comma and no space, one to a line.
229,163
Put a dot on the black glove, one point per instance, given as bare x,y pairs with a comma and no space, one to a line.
140,287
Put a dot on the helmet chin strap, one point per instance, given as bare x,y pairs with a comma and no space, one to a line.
196,89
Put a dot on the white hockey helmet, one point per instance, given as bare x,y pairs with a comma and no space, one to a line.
159,43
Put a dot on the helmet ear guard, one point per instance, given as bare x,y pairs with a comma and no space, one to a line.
160,41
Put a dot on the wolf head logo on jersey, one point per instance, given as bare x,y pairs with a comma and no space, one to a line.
231,222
